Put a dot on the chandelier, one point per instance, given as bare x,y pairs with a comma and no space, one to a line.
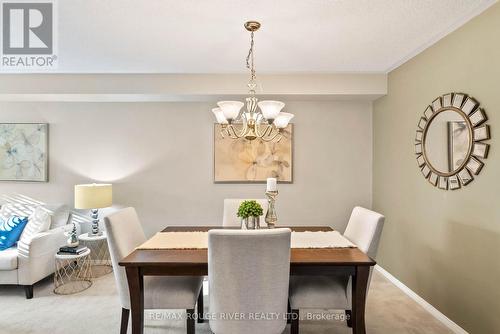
267,123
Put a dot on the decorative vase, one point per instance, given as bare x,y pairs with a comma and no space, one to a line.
250,223
244,223
72,240
71,243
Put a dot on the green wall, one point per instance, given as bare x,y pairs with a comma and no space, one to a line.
444,245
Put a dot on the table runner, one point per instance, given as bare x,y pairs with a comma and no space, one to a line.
199,240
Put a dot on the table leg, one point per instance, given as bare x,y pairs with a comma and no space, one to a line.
136,288
359,289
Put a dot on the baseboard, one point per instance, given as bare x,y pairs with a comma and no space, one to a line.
422,302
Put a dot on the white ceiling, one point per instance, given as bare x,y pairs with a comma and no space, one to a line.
201,36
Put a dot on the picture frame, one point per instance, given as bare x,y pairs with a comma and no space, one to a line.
24,151
244,161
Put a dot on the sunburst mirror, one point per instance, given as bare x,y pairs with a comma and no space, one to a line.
450,141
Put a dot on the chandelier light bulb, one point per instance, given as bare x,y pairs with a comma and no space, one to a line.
230,109
219,116
283,119
270,109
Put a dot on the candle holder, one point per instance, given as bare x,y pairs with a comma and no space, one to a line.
271,217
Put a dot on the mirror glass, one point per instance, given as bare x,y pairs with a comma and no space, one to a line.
447,141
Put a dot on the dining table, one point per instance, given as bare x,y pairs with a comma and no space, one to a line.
194,262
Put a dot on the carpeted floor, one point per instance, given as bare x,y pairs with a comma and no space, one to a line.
97,310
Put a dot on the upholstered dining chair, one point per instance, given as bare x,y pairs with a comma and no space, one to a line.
231,206
243,282
334,292
124,233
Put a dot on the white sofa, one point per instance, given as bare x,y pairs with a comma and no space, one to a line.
27,263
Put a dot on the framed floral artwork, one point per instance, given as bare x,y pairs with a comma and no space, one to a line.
245,161
24,152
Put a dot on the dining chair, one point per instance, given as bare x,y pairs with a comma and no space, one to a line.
244,284
231,206
124,232
334,292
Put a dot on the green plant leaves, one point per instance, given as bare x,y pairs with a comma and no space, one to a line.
250,209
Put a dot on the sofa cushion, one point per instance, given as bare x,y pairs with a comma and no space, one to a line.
8,259
59,214
17,209
38,221
10,230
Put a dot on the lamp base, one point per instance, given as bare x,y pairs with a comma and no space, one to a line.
95,224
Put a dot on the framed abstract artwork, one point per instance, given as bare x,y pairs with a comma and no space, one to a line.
253,161
24,152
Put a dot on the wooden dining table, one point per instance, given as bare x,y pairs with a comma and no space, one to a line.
194,262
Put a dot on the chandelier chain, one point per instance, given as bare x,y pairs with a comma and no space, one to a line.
250,59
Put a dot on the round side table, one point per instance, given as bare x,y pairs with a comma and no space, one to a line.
99,256
73,273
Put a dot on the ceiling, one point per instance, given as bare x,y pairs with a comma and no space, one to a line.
193,36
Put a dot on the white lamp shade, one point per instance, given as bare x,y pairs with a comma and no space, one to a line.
283,119
93,196
219,116
270,109
230,109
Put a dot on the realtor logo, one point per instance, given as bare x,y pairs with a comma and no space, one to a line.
28,35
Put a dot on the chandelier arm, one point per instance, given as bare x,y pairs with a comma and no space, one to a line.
270,127
244,128
269,131
231,132
242,132
224,131
235,135
257,130
228,131
266,135
278,133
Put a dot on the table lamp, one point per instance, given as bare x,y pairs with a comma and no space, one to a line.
93,197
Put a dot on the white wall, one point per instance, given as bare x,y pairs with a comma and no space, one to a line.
159,158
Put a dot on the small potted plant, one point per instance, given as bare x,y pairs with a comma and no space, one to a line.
250,212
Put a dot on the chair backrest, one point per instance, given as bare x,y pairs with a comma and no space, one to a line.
231,206
243,282
124,232
364,229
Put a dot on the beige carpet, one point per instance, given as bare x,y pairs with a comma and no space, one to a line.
97,310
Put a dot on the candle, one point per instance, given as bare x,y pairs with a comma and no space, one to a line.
271,184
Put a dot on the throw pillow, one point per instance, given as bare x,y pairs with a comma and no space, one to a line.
59,214
10,230
39,221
